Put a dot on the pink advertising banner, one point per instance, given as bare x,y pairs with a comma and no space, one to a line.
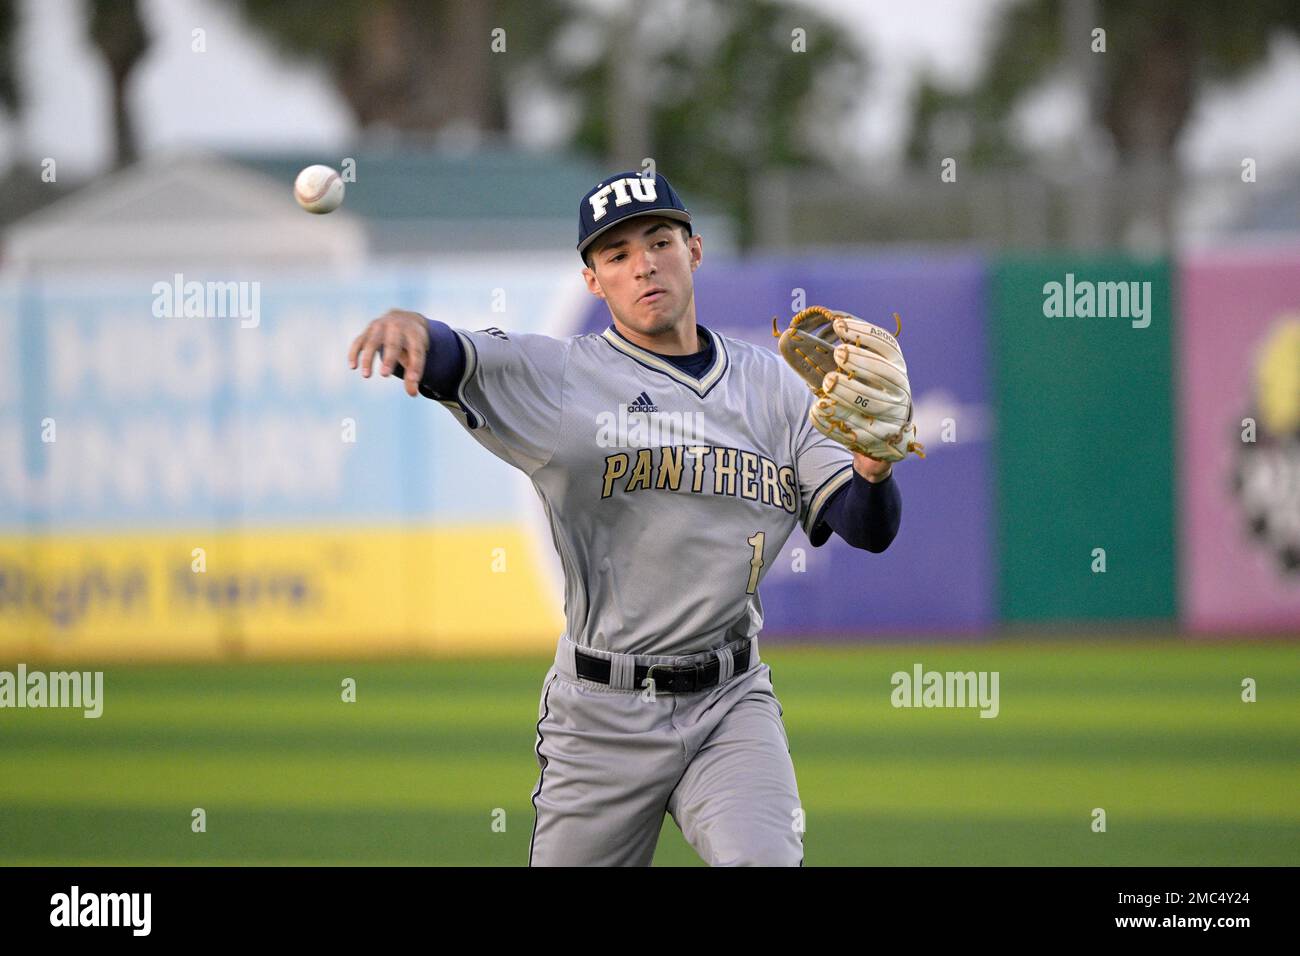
1239,423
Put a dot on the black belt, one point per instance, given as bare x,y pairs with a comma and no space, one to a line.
669,678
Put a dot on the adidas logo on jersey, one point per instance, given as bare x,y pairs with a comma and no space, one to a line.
642,403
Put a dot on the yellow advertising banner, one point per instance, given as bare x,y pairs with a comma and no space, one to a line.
234,594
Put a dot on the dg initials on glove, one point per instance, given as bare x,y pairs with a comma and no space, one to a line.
857,372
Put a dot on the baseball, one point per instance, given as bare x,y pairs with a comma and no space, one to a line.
318,189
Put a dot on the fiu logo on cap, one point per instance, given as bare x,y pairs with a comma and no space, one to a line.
625,191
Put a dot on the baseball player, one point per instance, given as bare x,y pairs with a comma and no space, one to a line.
673,462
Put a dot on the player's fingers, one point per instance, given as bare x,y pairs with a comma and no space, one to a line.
354,349
392,346
373,340
413,358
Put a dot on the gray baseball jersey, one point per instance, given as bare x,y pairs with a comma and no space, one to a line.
668,495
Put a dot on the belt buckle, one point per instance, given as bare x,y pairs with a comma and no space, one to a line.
687,674
669,687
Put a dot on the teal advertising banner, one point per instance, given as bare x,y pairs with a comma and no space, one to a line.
1084,457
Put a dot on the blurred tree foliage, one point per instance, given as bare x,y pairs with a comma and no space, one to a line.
712,90
1159,56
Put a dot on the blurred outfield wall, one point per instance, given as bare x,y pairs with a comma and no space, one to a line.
338,516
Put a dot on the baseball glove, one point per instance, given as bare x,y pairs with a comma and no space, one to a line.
857,372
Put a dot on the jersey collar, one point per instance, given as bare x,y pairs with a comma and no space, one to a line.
656,363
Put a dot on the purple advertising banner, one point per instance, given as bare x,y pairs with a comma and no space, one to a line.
1240,440
939,574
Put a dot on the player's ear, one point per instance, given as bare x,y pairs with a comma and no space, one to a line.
593,284
695,246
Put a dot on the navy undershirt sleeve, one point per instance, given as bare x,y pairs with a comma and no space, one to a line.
445,363
865,515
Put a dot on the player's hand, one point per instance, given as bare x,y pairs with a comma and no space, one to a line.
872,469
399,338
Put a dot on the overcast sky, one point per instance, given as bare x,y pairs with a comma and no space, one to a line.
241,93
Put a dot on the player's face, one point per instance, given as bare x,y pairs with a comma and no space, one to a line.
642,268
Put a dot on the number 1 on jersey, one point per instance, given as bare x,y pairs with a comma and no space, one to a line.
756,562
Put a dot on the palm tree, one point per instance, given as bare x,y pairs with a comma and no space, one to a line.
116,29
8,47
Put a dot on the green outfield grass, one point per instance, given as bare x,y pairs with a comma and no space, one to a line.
1154,733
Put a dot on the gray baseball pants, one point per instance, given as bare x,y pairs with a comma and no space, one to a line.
614,759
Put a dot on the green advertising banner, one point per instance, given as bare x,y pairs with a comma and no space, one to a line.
1082,369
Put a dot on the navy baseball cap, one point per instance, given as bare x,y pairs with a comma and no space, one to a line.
623,196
